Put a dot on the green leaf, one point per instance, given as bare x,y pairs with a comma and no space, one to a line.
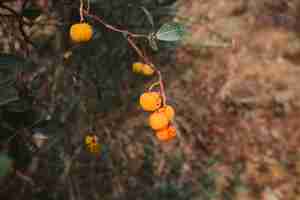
170,32
5,164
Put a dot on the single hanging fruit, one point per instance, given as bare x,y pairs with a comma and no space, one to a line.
150,101
147,70
81,32
137,67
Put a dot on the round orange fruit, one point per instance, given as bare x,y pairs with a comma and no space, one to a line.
158,121
168,111
137,67
147,70
166,134
81,32
150,101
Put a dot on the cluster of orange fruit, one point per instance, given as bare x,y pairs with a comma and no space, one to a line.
161,117
81,32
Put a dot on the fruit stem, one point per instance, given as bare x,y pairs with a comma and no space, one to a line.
81,11
154,85
162,88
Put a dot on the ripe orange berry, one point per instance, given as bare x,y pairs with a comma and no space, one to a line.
137,67
150,101
147,70
81,32
158,121
166,134
142,68
169,111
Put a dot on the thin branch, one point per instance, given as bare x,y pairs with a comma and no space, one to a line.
20,20
21,27
9,9
139,52
13,13
108,26
162,88
25,178
7,101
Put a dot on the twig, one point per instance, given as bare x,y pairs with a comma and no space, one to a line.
81,11
108,26
138,51
154,85
162,88
13,13
21,28
13,99
21,22
25,178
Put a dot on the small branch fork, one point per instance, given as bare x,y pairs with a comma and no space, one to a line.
130,38
20,19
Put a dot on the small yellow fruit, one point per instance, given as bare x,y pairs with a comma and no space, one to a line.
137,67
92,144
150,101
158,121
142,68
81,32
166,133
147,70
169,111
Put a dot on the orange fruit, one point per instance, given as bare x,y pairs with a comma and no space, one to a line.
150,101
158,121
81,32
137,67
142,68
147,70
169,111
166,133
92,144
